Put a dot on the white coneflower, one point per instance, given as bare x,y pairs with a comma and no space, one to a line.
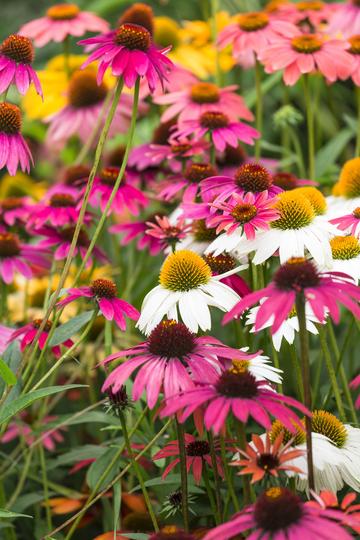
188,288
346,256
260,366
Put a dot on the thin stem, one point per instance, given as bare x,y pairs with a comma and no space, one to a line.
105,213
21,481
305,367
259,107
137,470
210,494
275,356
3,301
241,433
310,127
296,371
228,475
183,472
357,148
45,486
216,475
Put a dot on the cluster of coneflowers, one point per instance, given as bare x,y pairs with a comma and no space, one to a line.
236,239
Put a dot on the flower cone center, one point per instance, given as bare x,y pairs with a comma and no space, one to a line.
183,271
204,92
277,428
277,508
354,44
10,118
286,181
103,288
237,384
62,200
74,173
197,448
108,175
84,91
349,180
243,213
356,213
139,14
251,22
315,197
179,149
296,274
253,177
18,48
213,120
171,339
310,6
201,232
196,172
267,461
327,424
345,247
307,44
38,322
9,245
133,37
220,264
295,211
11,203
63,12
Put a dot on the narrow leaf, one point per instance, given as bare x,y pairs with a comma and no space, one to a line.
6,374
68,329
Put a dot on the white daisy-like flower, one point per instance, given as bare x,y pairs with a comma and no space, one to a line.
227,242
260,366
199,238
346,256
288,328
187,288
336,454
347,190
298,231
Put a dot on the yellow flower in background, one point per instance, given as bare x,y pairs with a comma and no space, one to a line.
21,185
192,46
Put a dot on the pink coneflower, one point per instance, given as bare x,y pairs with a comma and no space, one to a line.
61,239
197,455
251,33
187,185
203,97
58,208
127,196
234,391
130,54
223,263
171,357
104,293
15,210
20,429
60,21
29,331
246,213
138,229
16,256
16,56
346,19
354,50
85,104
167,233
154,155
279,513
267,458
14,150
250,177
222,130
298,53
322,291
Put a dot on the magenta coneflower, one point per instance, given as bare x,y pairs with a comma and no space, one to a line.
186,185
323,292
288,181
29,331
127,196
222,130
130,54
197,455
251,177
59,207
298,53
103,292
16,256
167,233
246,213
60,21
21,429
16,56
235,391
61,239
138,229
349,224
14,150
279,513
15,210
85,104
171,357
201,97
154,155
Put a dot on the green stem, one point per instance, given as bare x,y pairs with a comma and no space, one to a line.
210,494
138,472
310,126
331,371
228,475
45,486
108,337
183,472
105,213
3,301
357,148
296,371
275,356
305,367
297,151
9,532
259,107
216,476
242,444
21,481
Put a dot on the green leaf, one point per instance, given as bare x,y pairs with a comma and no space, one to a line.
117,504
68,329
329,153
6,374
6,514
11,409
136,536
97,469
87,451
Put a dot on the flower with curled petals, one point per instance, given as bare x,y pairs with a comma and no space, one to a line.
16,56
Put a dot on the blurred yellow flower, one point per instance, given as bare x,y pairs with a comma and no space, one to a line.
21,185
